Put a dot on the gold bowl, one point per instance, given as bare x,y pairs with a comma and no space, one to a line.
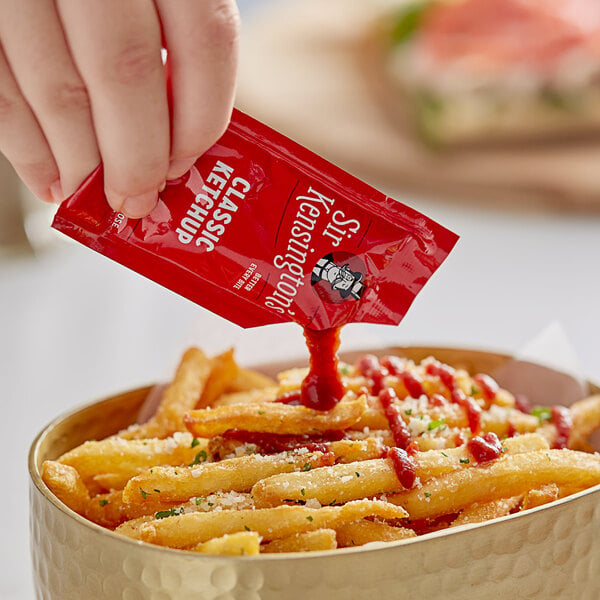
552,551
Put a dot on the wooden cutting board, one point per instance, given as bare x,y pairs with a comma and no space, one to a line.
309,69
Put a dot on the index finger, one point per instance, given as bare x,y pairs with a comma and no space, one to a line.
202,44
116,45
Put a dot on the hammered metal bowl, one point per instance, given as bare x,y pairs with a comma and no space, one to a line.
552,551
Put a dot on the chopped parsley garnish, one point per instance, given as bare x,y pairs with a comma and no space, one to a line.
408,411
199,501
307,467
200,457
246,528
302,491
144,494
211,503
427,495
172,512
464,461
309,518
344,370
261,412
444,454
332,503
103,502
157,491
357,473
474,391
435,424
543,413
195,442
407,22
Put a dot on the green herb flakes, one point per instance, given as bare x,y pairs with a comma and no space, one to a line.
200,457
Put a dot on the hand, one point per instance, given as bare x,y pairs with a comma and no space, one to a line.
82,81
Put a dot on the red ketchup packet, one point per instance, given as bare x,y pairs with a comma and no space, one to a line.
262,230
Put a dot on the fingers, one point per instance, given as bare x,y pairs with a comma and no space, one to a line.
202,43
22,140
34,44
116,47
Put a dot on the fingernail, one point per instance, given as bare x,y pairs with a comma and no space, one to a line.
56,192
137,207
179,167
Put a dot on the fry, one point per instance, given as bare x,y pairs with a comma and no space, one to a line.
224,369
586,419
477,513
358,533
247,380
543,495
67,485
121,459
182,395
311,541
274,417
242,543
509,476
247,397
177,484
349,481
186,530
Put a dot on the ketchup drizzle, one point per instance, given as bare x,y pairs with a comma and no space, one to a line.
398,427
485,448
293,398
322,388
396,367
370,368
273,443
563,421
404,465
488,385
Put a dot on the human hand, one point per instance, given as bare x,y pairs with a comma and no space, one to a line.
82,81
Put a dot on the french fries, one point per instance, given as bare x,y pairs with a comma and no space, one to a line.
186,530
113,461
177,484
508,476
205,475
274,417
182,395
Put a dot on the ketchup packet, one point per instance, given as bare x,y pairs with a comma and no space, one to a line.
262,230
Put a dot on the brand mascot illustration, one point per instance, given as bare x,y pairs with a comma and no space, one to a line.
343,280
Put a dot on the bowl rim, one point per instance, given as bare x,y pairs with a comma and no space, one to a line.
36,480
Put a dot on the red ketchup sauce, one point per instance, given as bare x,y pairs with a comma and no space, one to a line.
293,398
370,368
398,427
489,387
404,465
471,407
562,420
273,443
473,410
485,448
395,366
322,388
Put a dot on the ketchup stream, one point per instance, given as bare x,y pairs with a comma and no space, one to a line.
322,388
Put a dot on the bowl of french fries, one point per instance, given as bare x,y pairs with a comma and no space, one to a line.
230,489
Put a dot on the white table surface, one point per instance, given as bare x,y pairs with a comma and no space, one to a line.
75,327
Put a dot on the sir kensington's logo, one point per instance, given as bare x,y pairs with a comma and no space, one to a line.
338,277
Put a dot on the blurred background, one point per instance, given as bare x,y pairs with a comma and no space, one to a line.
483,114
